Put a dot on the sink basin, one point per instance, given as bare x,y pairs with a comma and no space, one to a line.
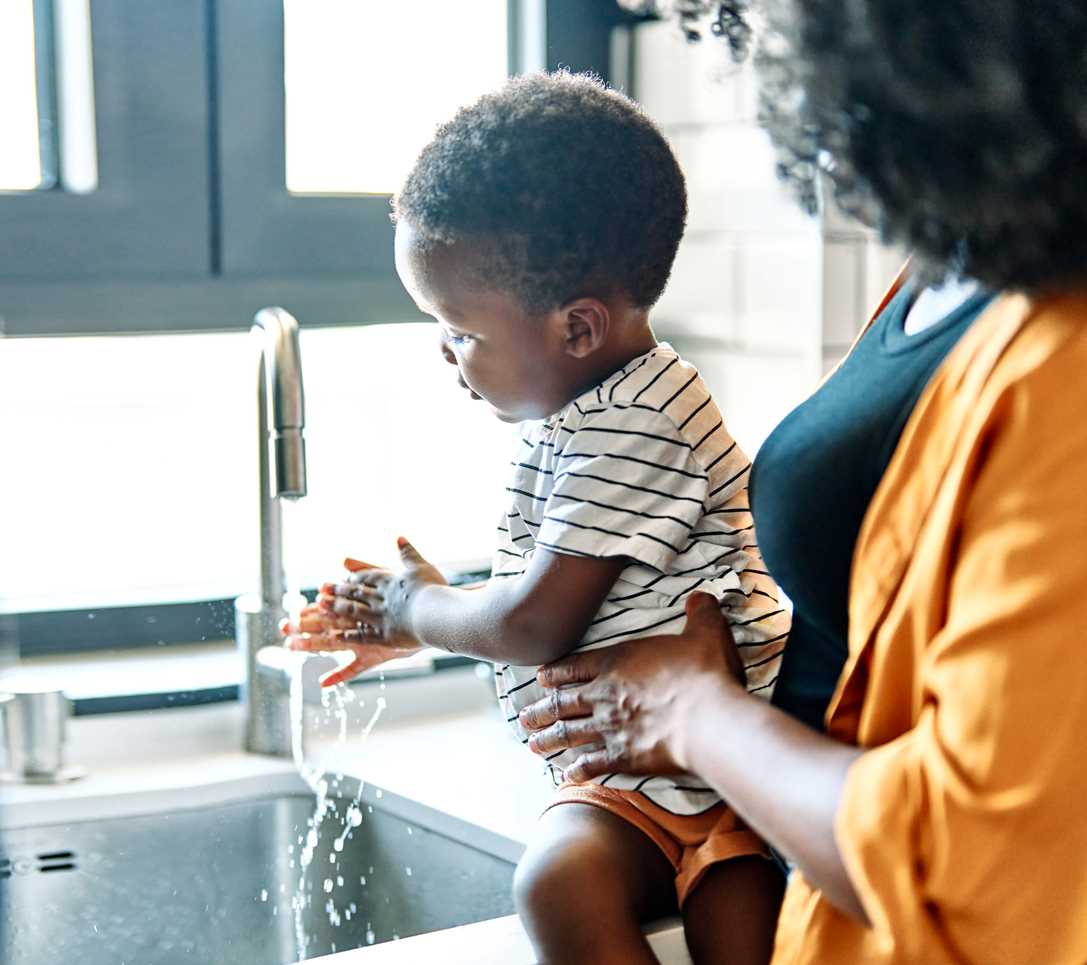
215,884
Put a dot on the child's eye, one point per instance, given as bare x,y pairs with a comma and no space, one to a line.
460,339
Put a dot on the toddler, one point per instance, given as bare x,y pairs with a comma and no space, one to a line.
538,228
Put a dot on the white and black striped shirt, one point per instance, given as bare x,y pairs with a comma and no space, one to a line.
643,467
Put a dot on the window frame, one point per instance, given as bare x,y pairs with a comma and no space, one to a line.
99,263
266,229
87,630
150,76
45,82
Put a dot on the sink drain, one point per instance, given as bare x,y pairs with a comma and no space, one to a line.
46,862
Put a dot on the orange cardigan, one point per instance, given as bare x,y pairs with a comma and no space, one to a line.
964,826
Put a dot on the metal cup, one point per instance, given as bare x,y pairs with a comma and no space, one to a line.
34,724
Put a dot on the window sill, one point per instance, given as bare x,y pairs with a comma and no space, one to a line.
150,678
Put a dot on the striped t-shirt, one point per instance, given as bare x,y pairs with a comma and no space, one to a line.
643,467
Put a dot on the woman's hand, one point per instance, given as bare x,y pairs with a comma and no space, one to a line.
637,702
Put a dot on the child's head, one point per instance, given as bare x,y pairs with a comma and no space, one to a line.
535,224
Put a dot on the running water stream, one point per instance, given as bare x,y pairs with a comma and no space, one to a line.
329,808
332,813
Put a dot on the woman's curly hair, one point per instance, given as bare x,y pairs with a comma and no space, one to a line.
957,128
562,186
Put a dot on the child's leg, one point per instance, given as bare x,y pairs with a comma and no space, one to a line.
731,915
585,885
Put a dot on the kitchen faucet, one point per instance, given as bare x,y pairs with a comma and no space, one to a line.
269,667
281,452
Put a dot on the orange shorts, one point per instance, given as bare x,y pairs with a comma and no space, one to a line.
691,842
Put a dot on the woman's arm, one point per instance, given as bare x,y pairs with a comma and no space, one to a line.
668,704
785,780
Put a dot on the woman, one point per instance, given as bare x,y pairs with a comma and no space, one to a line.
923,510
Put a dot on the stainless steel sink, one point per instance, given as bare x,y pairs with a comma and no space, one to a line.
215,884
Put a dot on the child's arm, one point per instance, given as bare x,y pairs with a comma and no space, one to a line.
529,619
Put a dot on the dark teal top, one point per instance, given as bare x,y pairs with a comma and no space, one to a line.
815,476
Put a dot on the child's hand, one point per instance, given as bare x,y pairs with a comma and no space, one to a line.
380,601
321,632
366,613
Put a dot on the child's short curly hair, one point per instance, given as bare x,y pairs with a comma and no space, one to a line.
564,187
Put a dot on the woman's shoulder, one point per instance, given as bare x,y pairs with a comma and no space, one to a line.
1046,351
1026,380
1020,340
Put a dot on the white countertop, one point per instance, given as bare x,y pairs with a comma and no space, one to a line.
434,731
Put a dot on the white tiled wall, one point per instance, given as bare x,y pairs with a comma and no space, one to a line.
678,83
762,297
754,390
844,291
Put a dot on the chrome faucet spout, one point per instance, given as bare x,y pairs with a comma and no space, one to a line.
282,363
281,458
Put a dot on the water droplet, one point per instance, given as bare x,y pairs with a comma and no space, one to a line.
370,808
338,845
332,858
328,885
381,701
339,881
407,870
263,894
377,793
410,831
362,879
370,936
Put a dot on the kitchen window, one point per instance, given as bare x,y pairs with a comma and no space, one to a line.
176,167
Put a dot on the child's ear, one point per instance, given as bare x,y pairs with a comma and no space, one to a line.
585,323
